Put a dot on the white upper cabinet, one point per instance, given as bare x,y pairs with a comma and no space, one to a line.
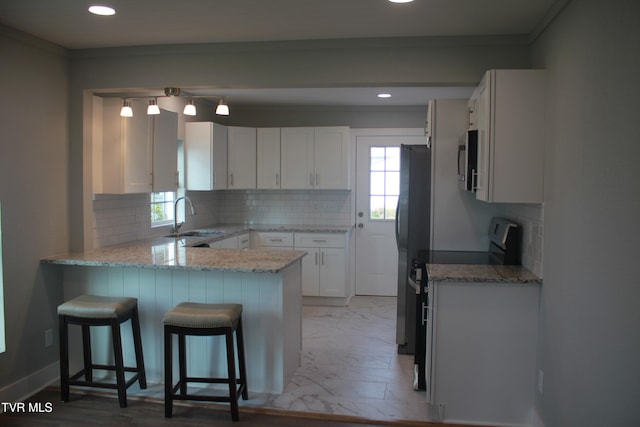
241,157
165,151
268,158
315,158
205,156
133,154
331,158
509,108
296,154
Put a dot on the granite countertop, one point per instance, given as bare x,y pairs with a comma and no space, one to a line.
182,253
170,253
481,273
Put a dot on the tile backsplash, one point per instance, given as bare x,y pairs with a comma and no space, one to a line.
121,218
531,218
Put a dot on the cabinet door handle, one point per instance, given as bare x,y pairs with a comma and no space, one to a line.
319,241
317,179
322,261
277,179
177,179
231,178
316,258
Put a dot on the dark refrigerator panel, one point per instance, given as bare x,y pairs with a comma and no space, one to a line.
413,223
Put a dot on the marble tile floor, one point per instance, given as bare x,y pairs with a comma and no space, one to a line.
349,367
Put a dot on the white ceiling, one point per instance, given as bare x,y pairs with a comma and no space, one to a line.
152,22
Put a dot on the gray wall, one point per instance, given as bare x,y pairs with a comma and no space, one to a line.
34,165
590,327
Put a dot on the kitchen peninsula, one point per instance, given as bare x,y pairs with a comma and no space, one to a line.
163,272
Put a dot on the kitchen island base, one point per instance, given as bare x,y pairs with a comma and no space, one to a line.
271,317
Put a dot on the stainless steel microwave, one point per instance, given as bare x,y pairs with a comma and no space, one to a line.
468,161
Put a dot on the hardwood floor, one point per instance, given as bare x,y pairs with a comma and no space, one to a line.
96,409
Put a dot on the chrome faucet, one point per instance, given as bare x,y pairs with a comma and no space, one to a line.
177,226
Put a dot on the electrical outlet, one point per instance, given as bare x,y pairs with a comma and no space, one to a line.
48,337
540,380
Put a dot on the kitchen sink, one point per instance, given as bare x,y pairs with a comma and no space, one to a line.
196,233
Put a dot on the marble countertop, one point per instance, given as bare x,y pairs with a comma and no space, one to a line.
170,253
481,273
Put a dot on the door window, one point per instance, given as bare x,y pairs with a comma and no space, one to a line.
384,178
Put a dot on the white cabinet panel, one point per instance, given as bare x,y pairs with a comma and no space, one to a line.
133,154
241,157
297,158
268,158
509,110
268,239
331,158
324,269
165,151
315,158
205,156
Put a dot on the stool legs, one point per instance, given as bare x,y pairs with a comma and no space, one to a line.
63,332
86,353
242,367
231,369
137,343
168,373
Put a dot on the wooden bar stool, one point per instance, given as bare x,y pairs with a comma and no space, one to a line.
91,310
203,320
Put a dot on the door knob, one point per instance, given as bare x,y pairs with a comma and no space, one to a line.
360,214
360,225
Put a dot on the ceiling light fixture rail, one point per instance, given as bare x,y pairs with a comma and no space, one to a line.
222,109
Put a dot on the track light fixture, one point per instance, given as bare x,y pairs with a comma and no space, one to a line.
222,109
152,108
126,110
190,108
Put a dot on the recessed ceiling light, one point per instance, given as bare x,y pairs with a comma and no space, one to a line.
400,1
102,10
384,95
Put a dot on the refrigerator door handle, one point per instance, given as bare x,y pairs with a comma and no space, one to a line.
398,224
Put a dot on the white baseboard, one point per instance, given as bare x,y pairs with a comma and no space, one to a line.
30,385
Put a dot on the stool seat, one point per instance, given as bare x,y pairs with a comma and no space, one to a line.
199,315
97,307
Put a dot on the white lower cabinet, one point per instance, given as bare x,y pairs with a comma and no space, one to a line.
244,241
228,243
324,269
481,352
268,239
241,241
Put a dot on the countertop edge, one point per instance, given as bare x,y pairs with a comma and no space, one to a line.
468,273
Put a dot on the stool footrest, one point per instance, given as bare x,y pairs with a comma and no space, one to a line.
73,381
202,397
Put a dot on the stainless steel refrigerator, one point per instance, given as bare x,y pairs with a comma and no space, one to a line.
413,224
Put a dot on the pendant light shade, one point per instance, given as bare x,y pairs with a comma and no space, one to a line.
152,108
190,108
222,109
126,110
